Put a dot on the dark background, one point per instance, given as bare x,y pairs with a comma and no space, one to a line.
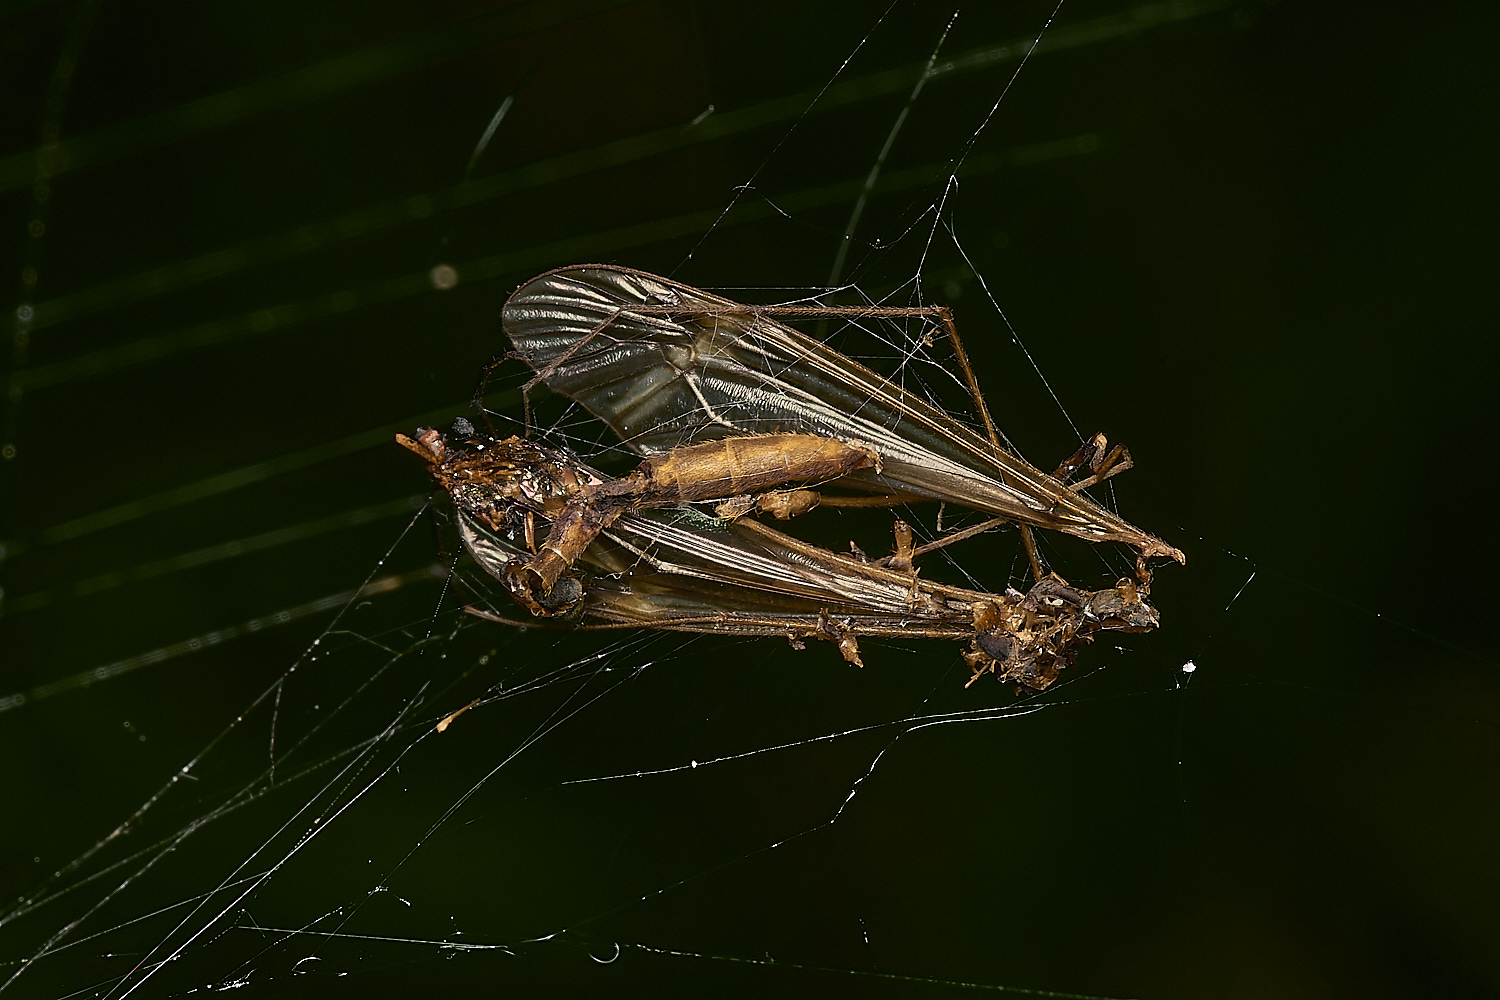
1253,241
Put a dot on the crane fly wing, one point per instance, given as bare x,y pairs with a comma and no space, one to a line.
669,563
657,570
666,365
696,366
631,369
760,562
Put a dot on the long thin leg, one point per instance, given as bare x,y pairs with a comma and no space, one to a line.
478,399
1088,454
1115,463
947,540
884,500
1102,463
1029,543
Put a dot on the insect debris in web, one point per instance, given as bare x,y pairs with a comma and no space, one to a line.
666,365
674,568
690,474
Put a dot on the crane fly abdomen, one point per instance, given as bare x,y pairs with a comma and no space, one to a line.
733,466
711,471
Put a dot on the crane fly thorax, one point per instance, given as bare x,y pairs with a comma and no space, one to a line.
500,481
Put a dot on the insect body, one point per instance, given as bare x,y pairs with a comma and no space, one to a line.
676,569
519,477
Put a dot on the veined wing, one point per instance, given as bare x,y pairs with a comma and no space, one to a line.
759,562
660,570
665,365
684,563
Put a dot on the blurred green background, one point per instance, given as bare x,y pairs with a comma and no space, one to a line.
1254,241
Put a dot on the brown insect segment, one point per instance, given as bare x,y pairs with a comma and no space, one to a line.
686,475
508,484
735,466
1019,641
501,480
517,476
654,570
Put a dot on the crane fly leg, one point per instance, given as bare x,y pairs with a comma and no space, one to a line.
1087,454
787,504
957,536
1116,462
1101,460
541,376
1028,542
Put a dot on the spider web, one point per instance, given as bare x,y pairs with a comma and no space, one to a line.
257,743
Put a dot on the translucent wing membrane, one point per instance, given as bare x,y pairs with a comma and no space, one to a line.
667,365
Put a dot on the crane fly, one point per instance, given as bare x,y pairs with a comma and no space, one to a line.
666,366
677,569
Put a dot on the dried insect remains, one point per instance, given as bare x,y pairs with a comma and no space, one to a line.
732,409
680,570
